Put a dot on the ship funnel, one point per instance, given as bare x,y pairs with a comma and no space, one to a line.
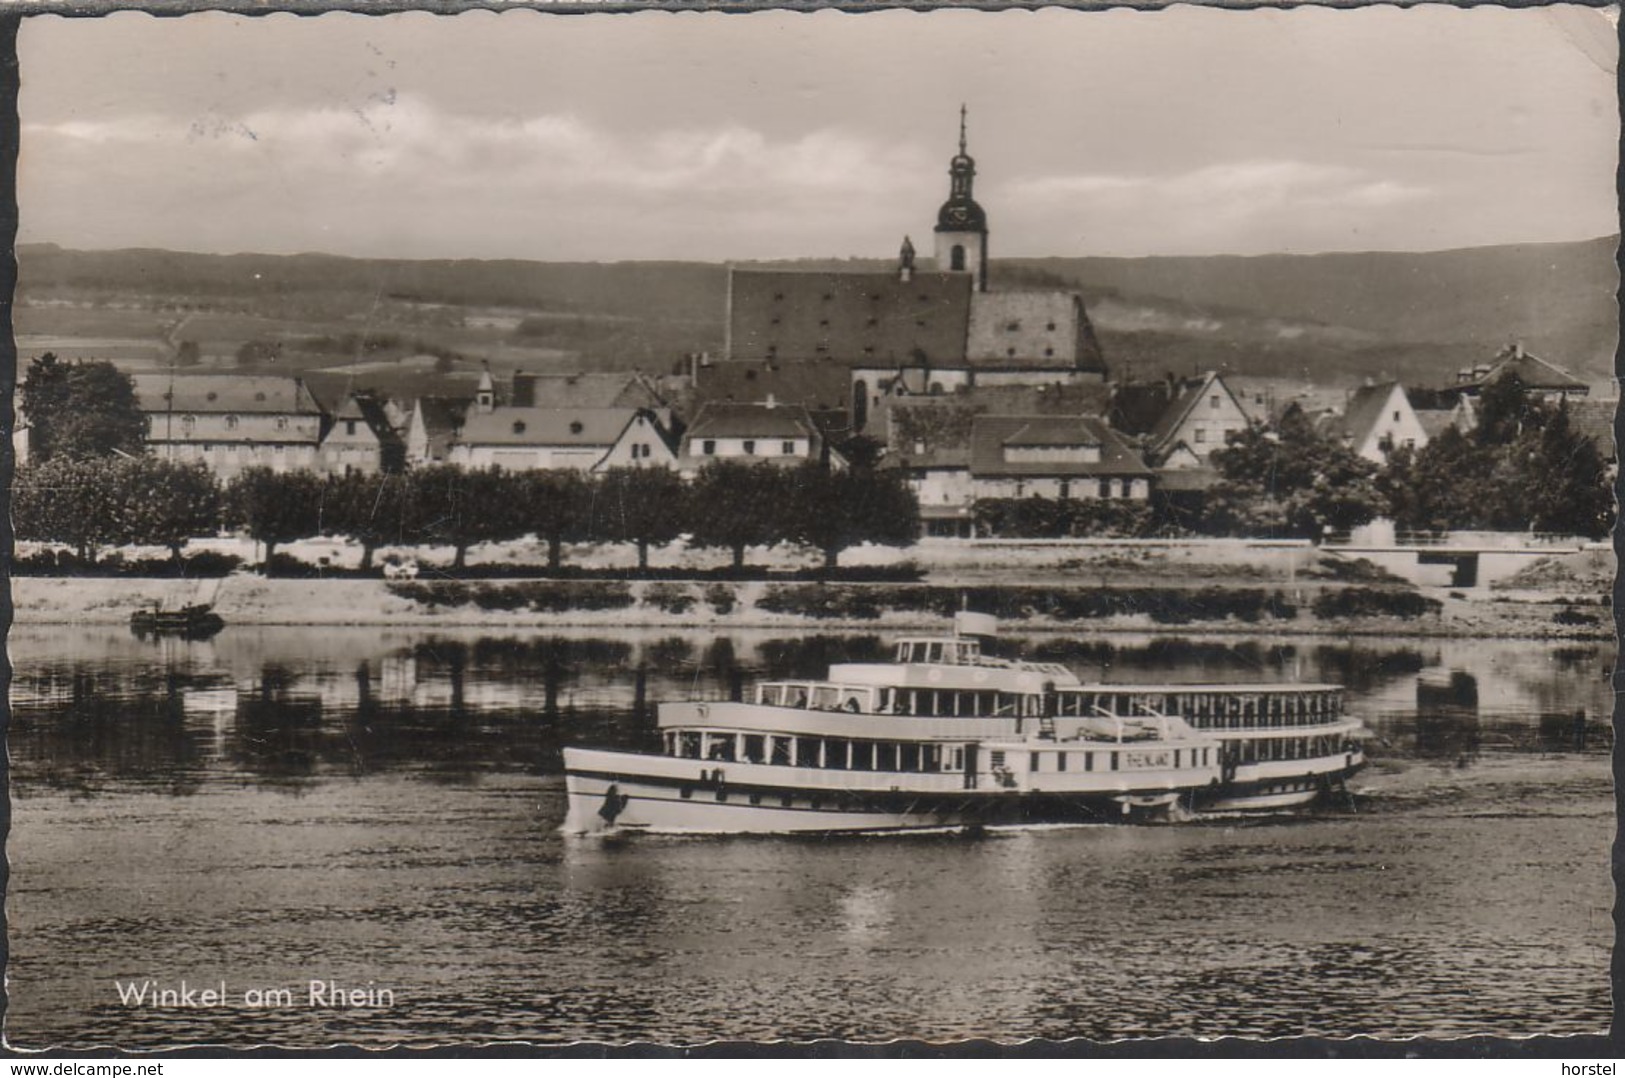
970,623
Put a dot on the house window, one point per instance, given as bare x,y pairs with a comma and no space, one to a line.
787,448
1049,352
956,258
1201,435
519,427
1213,401
1050,327
708,447
1105,488
1021,489
1066,488
349,426
750,448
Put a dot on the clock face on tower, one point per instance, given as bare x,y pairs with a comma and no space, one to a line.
957,215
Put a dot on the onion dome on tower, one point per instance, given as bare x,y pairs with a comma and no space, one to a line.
962,224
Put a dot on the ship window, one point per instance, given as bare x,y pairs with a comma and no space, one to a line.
807,752
691,745
910,758
863,756
1088,761
1176,757
1114,761
720,747
756,799
781,751
786,801
835,752
722,795
995,758
1032,762
686,792
755,748
1060,761
931,758
886,756
933,653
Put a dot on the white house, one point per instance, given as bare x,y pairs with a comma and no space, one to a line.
577,439
1378,420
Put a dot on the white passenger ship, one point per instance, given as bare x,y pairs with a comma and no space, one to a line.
947,736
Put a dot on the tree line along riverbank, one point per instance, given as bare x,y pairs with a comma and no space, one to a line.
1316,608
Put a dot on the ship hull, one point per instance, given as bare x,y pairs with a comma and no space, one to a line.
627,792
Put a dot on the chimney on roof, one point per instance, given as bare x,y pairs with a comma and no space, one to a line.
485,396
772,401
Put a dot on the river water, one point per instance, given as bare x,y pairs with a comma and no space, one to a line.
377,811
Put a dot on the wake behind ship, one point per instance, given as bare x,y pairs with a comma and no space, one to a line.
949,736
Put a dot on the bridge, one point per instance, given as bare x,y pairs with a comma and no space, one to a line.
1452,559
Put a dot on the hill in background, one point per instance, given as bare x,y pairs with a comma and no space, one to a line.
1332,318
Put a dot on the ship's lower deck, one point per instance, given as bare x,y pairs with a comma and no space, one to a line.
635,792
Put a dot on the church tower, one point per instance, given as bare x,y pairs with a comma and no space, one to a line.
961,224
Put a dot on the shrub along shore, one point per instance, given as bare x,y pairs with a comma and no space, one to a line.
1326,608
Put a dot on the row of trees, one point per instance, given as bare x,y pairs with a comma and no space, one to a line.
1523,467
88,503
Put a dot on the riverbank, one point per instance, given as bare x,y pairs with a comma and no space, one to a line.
245,599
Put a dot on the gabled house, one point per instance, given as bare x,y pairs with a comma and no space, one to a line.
360,439
783,435
1201,417
431,427
1377,420
1062,457
576,439
232,422
1539,377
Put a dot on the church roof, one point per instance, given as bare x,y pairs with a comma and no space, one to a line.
1032,331
867,318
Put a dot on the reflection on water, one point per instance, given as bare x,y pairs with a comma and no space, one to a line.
280,804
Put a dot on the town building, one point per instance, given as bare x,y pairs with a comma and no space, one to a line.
431,428
361,440
231,422
516,438
1539,377
1377,420
768,433
1202,416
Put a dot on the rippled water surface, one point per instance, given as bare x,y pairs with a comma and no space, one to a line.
370,809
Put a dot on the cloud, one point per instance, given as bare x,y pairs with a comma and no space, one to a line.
1240,205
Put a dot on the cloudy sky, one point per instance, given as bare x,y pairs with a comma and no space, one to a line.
708,136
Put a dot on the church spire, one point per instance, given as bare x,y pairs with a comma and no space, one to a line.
961,224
